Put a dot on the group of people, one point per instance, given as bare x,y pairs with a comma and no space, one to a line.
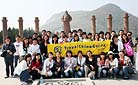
29,58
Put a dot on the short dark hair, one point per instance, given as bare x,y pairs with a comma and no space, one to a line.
89,51
68,51
51,53
80,30
43,30
8,37
27,56
79,52
18,36
89,33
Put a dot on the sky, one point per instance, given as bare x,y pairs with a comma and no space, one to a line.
44,9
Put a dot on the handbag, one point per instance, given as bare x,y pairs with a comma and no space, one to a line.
3,54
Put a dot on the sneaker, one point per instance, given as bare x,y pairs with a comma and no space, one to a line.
115,78
29,82
6,77
24,83
126,78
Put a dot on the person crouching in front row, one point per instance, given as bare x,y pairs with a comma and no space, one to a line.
91,66
22,69
125,65
113,63
103,65
48,65
69,65
36,67
80,65
58,66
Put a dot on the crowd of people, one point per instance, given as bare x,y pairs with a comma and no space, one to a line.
29,58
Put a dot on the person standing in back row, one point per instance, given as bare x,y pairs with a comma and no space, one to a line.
8,49
19,49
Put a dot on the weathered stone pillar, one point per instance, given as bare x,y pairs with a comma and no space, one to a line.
93,25
66,22
126,23
20,27
36,24
4,24
109,23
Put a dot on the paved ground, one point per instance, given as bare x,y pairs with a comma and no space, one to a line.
15,81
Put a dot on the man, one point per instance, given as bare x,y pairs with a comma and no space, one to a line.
19,49
34,48
8,49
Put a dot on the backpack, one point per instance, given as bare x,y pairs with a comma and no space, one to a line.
129,49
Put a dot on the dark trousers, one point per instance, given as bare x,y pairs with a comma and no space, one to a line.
35,74
9,63
24,76
16,57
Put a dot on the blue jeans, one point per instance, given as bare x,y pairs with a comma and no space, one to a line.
24,76
16,57
69,73
114,71
80,72
126,70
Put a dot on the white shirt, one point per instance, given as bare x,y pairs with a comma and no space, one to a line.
120,46
60,40
114,63
19,48
70,62
20,67
81,62
47,64
34,49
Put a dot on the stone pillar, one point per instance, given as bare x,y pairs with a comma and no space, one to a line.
93,25
20,27
126,23
66,22
4,24
109,23
36,24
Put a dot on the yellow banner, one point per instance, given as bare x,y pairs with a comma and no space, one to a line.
95,46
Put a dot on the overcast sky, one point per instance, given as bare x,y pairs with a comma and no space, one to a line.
44,9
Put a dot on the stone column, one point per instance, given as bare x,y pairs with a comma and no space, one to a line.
126,23
66,22
4,24
20,27
36,24
93,25
109,23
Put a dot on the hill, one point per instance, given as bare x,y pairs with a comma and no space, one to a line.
82,19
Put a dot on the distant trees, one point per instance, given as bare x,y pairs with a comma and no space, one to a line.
12,32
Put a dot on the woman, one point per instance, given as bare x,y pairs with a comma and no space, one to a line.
113,62
96,37
116,46
48,66
107,36
43,47
34,48
125,65
58,66
69,64
103,65
128,47
36,67
8,49
80,64
25,45
76,38
90,66
55,39
22,69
